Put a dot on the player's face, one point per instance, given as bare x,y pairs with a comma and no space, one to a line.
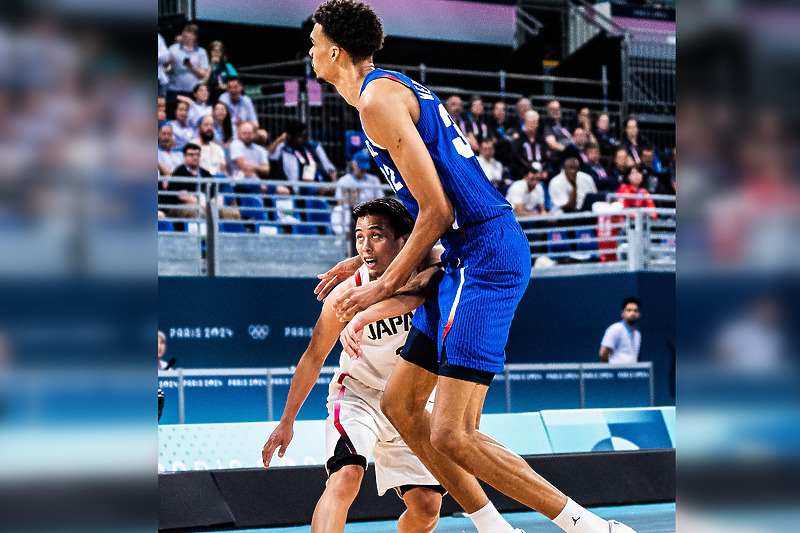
376,243
320,52
631,313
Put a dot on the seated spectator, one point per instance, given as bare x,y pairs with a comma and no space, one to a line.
630,140
224,130
189,63
605,137
569,188
198,104
191,201
526,196
491,166
298,160
584,120
474,122
163,64
168,157
578,146
655,177
358,178
621,164
517,123
161,103
455,108
602,180
248,159
239,105
528,148
192,167
498,123
633,186
212,157
182,130
221,70
556,136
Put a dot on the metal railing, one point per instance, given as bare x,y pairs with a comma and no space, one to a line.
246,232
511,374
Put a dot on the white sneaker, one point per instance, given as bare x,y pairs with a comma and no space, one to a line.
618,527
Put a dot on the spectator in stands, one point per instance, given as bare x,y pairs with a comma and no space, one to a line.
517,122
556,136
364,186
528,148
526,196
248,159
491,166
224,130
656,180
299,160
578,146
192,167
605,137
584,120
190,201
498,122
621,165
168,156
221,70
602,180
189,63
631,140
161,104
622,341
163,63
455,108
182,130
569,188
474,120
212,156
162,350
239,105
633,185
198,104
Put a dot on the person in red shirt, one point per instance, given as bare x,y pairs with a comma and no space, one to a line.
632,185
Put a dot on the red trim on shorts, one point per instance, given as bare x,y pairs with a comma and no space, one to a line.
336,422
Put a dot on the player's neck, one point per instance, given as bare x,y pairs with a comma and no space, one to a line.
348,85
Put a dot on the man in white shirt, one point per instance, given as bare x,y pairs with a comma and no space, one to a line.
526,196
622,341
247,158
163,61
212,157
366,186
168,157
569,188
189,63
240,105
491,166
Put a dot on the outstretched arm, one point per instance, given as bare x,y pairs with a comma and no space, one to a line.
305,376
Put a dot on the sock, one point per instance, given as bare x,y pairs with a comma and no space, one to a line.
575,519
488,520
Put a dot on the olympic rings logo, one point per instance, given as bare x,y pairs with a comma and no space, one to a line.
258,332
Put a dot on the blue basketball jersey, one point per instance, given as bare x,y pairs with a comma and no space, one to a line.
472,195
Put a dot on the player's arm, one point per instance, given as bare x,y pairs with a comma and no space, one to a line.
326,331
386,109
605,352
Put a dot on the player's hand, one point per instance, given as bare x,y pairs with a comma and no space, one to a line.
279,440
343,270
357,299
351,336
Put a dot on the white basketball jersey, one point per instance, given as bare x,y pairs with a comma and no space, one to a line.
381,342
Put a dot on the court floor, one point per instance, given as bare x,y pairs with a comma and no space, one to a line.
654,518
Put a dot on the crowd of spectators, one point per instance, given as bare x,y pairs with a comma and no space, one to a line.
542,163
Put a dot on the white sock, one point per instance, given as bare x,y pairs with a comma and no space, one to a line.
575,519
488,520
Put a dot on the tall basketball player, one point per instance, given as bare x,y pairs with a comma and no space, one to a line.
433,171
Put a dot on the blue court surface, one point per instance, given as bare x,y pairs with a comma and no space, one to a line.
654,518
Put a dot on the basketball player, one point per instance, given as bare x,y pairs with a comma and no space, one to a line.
356,428
428,162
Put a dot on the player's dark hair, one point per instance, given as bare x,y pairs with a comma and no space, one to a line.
399,218
631,300
352,25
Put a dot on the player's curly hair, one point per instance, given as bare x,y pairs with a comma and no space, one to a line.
399,218
352,25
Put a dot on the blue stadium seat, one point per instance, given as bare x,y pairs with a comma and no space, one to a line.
252,214
589,244
165,225
553,242
232,227
321,213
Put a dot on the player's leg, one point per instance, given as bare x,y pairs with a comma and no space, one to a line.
423,505
330,514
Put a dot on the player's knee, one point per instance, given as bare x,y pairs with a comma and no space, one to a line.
450,442
345,483
396,411
424,506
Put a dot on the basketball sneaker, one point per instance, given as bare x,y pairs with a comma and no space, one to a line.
618,527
